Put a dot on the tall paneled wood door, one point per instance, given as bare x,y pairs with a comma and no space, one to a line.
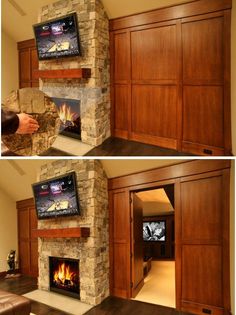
202,244
120,243
28,245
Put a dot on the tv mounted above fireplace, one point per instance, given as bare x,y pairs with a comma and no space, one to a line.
57,38
56,197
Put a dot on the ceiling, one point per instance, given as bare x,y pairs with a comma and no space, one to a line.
18,16
155,202
18,175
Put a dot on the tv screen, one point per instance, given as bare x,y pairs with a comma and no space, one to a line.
57,38
154,231
56,197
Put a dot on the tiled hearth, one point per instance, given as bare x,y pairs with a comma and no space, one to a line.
93,93
92,252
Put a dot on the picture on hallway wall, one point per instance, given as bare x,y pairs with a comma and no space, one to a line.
154,231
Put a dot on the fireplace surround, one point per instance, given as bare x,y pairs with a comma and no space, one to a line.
92,250
93,92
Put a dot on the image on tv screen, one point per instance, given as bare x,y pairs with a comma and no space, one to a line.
154,231
56,197
57,38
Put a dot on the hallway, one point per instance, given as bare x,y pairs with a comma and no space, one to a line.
159,285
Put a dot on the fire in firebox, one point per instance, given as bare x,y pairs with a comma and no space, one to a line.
64,276
69,113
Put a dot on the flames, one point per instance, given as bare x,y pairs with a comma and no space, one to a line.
64,275
66,115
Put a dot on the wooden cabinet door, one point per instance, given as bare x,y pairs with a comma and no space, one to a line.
28,246
203,84
137,245
202,258
120,243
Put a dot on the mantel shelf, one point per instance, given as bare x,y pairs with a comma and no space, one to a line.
82,73
62,233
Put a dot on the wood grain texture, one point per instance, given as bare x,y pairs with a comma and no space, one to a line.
154,48
27,243
169,13
63,73
203,50
151,108
121,107
203,115
186,47
62,233
169,172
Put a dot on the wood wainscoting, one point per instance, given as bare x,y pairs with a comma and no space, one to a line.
201,192
170,77
27,242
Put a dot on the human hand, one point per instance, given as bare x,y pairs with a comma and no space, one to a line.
27,125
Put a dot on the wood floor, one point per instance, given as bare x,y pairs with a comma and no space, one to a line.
111,306
121,147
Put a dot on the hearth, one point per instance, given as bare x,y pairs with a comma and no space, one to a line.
69,113
64,276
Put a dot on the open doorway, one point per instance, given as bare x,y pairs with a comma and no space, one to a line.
153,252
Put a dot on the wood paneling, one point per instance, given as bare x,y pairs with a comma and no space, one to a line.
28,63
203,115
175,64
154,48
137,245
121,108
201,191
203,50
206,194
169,13
202,274
120,239
151,107
121,55
28,242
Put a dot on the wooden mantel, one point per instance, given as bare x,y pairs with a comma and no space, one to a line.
62,233
81,73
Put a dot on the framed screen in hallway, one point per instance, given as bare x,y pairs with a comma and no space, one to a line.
154,231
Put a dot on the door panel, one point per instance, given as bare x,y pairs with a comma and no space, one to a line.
121,55
203,50
203,115
151,108
137,246
201,197
120,221
121,107
201,278
202,243
154,53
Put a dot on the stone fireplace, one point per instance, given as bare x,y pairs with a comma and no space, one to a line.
64,276
92,252
93,93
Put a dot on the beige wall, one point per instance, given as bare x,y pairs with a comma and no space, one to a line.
233,76
9,65
8,228
232,235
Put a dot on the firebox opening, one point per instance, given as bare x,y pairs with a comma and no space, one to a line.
69,113
64,276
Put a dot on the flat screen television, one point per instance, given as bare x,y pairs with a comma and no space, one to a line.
56,197
154,231
57,38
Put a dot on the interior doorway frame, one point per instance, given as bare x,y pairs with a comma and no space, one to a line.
177,228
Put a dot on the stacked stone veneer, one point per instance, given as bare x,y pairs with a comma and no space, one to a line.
93,251
94,93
